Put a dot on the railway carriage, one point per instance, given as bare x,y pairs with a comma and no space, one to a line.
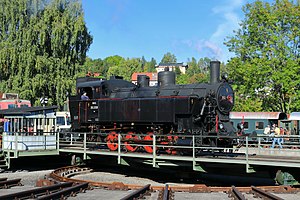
293,122
255,122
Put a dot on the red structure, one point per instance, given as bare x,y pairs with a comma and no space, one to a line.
11,100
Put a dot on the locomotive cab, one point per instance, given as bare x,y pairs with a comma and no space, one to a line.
90,85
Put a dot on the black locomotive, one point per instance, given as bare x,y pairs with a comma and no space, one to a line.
118,106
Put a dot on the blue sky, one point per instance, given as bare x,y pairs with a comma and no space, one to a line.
151,28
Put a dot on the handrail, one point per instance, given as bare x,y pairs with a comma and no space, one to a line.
29,142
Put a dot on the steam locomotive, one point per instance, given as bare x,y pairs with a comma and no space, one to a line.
167,110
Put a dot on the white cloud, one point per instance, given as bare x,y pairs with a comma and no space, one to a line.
231,21
232,5
204,48
213,47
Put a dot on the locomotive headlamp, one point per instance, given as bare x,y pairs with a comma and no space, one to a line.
221,126
230,99
224,76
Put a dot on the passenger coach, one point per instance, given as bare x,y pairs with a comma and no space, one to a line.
255,122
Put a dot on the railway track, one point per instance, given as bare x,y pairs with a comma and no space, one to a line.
169,191
4,183
235,193
62,184
56,191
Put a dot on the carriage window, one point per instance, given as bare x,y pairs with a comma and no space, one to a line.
12,105
246,125
259,125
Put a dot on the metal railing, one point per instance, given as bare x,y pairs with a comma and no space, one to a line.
22,141
245,146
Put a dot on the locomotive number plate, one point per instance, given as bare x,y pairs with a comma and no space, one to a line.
94,107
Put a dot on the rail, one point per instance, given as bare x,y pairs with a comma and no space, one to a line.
137,193
10,183
65,192
236,194
63,174
3,179
263,194
166,192
56,191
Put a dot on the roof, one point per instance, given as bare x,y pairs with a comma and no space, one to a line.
14,100
294,116
172,65
151,75
9,96
257,115
26,110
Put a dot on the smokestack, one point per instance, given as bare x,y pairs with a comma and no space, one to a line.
214,72
143,80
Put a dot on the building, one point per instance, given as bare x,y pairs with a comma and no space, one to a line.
172,66
152,75
11,100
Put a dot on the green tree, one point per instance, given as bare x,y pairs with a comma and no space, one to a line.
204,64
112,62
150,66
266,66
198,71
169,58
42,44
94,65
182,79
126,68
193,67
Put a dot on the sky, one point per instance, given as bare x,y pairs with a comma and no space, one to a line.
151,28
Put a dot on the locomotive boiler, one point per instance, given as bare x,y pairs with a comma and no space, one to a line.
168,110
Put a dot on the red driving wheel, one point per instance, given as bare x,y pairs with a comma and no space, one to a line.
171,150
149,137
112,140
131,136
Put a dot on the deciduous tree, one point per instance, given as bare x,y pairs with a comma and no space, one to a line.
42,43
169,58
267,49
